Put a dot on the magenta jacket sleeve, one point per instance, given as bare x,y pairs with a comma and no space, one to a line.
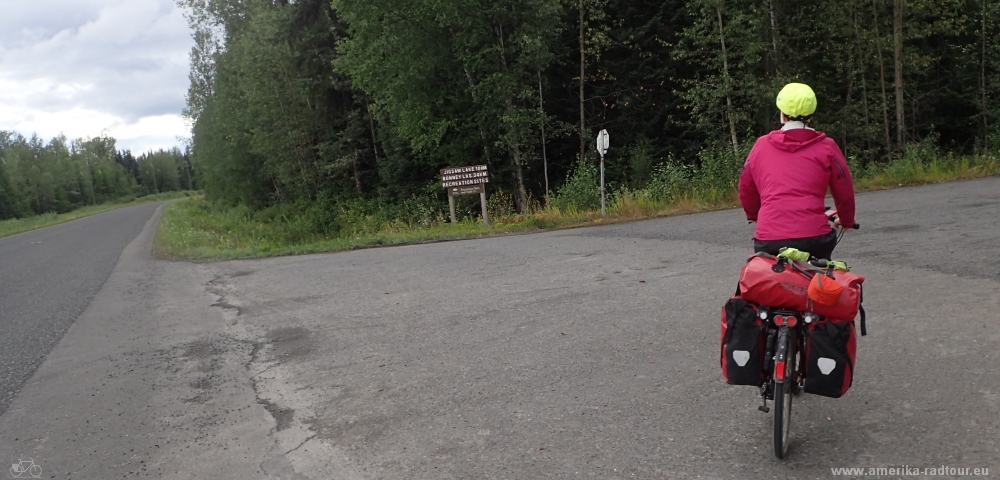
842,186
749,195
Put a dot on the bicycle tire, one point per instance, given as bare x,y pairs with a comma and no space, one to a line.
783,402
782,418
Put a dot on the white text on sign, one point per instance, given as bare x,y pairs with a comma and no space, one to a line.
459,183
464,176
469,169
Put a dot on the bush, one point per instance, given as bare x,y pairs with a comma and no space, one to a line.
670,181
639,158
500,205
582,190
718,173
361,217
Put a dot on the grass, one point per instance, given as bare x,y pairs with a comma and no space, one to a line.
909,172
21,225
195,230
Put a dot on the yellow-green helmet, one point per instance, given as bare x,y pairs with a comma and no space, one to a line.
796,100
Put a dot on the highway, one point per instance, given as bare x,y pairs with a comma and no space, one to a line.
579,353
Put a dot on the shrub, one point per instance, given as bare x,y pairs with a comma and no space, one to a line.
582,190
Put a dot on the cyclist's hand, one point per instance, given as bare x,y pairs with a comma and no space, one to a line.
836,223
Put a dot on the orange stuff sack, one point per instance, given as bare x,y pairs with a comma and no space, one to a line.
824,290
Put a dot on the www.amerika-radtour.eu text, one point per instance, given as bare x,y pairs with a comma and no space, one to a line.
906,471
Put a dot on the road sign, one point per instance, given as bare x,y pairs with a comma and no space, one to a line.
466,181
462,176
602,148
602,142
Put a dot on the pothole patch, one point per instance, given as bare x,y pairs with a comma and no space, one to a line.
283,416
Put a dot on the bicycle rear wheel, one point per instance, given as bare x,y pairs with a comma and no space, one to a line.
783,400
782,417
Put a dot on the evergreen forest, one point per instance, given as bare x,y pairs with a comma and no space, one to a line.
38,177
333,109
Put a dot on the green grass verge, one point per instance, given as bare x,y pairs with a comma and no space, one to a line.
194,230
21,225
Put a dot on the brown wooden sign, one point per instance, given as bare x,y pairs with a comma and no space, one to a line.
466,181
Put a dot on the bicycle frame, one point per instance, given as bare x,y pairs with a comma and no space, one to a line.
784,335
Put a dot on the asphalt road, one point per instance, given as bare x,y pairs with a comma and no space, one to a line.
583,353
48,277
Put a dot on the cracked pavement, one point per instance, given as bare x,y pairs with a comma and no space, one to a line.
580,353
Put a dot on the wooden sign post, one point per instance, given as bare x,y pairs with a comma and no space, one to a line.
466,181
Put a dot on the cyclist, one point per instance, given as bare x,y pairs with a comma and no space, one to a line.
785,179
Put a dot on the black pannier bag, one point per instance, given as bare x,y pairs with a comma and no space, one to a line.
830,349
743,337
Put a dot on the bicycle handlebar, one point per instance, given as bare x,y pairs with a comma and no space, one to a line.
831,215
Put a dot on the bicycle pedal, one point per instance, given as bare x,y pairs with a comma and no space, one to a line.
764,409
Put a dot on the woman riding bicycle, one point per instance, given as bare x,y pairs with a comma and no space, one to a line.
785,179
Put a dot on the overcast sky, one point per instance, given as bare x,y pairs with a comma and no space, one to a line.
81,67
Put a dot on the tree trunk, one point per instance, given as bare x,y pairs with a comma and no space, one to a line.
982,80
725,76
371,125
881,77
482,134
774,38
897,40
864,83
357,174
522,194
849,71
541,110
583,125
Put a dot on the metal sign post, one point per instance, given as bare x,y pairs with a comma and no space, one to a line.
602,148
466,181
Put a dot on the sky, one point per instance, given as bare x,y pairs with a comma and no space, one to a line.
83,68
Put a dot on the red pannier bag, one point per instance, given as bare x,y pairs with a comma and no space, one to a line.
743,338
783,283
830,349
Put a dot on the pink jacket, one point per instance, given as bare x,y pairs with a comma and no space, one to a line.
784,183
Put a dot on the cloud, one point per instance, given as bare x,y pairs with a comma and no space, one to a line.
80,67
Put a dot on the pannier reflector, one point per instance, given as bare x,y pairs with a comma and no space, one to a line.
826,365
741,357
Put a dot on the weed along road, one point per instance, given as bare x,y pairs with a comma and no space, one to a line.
581,353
